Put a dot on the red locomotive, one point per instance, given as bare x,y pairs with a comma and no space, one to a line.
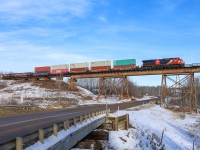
163,62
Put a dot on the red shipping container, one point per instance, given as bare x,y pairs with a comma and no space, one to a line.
100,68
59,71
124,67
43,69
79,69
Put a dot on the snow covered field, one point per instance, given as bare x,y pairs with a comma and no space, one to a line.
148,125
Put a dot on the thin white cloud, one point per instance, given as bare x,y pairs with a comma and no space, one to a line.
3,49
102,19
21,10
171,5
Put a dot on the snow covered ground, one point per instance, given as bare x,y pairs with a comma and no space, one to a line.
133,139
148,124
112,100
145,98
102,100
43,97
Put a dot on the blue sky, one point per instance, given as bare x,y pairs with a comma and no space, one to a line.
49,32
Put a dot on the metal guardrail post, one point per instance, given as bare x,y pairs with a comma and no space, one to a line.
41,136
93,114
74,121
97,113
55,129
65,124
19,143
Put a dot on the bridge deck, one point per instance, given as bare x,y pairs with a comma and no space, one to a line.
109,73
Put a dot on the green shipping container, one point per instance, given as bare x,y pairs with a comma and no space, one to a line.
124,62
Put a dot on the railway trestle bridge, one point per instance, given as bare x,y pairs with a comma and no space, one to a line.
177,85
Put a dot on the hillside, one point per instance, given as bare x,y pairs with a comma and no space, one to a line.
41,93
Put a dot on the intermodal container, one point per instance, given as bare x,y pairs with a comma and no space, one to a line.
44,69
125,62
100,63
100,66
59,68
64,66
79,67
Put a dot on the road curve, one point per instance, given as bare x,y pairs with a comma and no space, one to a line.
20,125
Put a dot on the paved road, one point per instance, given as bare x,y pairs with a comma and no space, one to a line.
14,126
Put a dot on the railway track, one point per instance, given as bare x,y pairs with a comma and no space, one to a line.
191,68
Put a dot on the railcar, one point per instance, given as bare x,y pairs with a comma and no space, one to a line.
100,66
79,67
166,62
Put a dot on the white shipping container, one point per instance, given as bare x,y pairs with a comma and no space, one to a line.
57,67
100,63
79,65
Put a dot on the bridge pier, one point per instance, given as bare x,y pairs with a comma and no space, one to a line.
59,78
72,83
181,91
113,85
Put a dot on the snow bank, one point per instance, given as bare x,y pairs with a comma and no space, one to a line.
109,100
145,98
133,139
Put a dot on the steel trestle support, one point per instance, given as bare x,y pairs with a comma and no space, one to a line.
179,90
114,85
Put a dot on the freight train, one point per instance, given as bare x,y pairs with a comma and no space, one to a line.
127,64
